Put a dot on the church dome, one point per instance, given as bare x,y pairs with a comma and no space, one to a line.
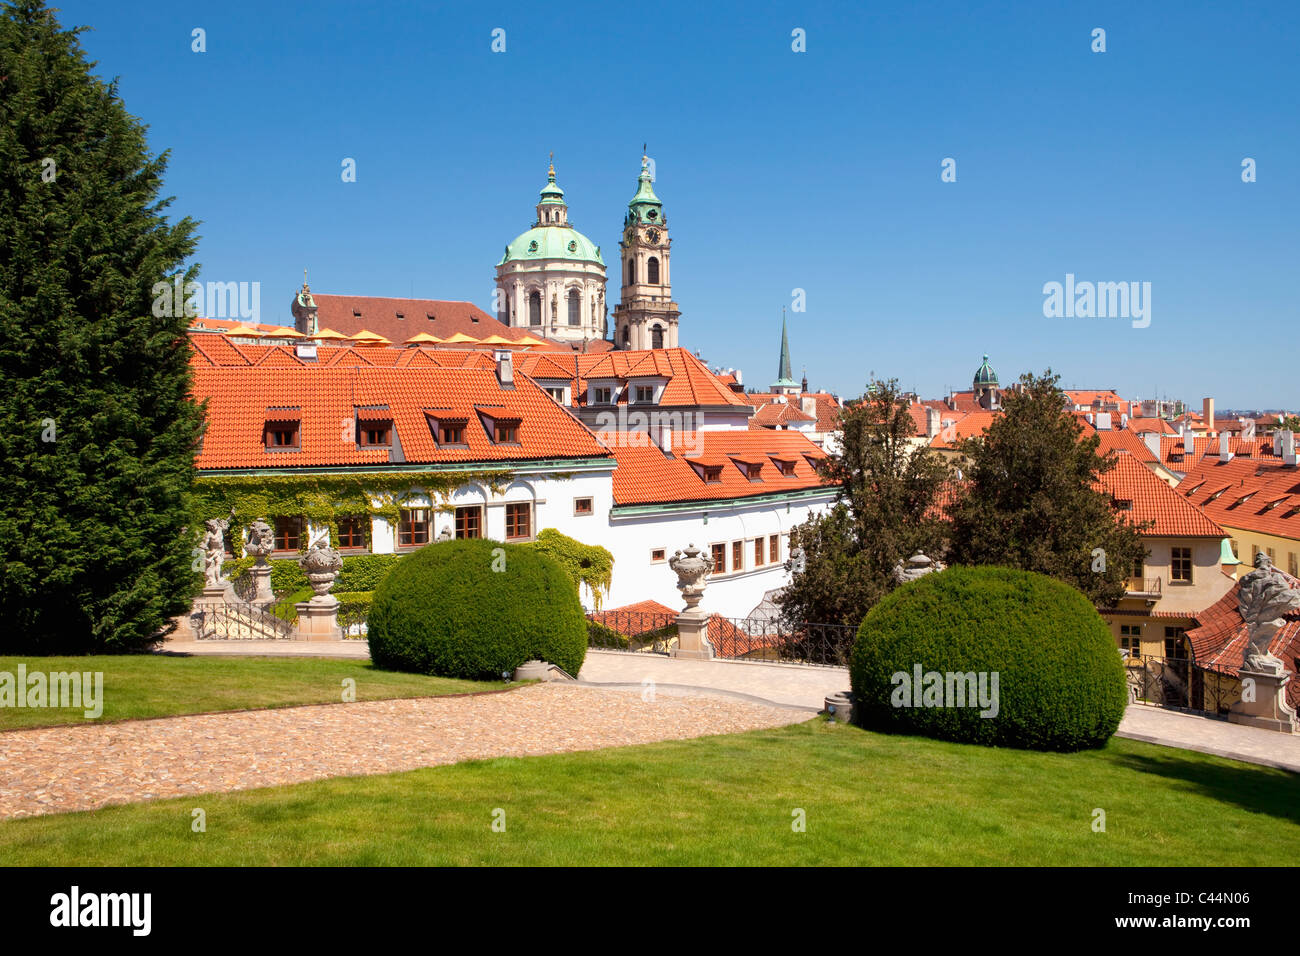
984,375
552,242
552,237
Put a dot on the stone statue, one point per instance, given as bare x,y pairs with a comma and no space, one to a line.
214,550
261,540
918,566
1264,596
445,535
692,572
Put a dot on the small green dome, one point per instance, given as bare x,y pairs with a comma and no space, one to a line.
984,375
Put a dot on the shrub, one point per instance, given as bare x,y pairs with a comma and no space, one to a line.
1061,683
364,572
444,610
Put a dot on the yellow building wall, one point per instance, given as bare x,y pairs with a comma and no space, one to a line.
1286,551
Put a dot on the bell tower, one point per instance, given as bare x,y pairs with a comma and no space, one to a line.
646,315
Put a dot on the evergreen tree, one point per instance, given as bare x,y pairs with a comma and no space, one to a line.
1033,501
97,429
888,509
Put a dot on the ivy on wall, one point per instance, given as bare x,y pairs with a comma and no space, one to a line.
323,498
589,564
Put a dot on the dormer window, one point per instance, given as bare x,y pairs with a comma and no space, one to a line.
602,396
1122,504
506,431
710,474
783,467
282,436
451,431
644,395
375,434
753,470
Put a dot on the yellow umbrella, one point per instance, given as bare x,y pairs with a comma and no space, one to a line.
458,337
330,334
366,337
422,338
245,330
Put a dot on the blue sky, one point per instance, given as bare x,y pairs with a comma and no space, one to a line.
778,170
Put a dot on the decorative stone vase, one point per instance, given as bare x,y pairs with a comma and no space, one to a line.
321,565
692,571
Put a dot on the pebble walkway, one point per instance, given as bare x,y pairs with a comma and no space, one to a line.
61,769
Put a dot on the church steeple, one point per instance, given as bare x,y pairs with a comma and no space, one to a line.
552,210
785,383
646,315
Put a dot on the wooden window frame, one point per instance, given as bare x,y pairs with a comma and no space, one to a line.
718,552
662,555
361,522
578,512
512,512
412,528
738,555
1178,556
277,427
465,511
276,535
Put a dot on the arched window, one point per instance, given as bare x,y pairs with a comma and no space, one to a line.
534,308
652,270
575,308
656,335
631,271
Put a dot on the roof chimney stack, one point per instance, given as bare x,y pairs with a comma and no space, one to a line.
1207,412
1288,448
1224,454
931,422
1153,442
506,368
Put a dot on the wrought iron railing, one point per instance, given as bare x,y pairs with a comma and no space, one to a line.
1144,586
1177,683
731,638
646,631
239,622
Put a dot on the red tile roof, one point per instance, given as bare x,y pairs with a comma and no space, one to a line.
645,475
969,425
688,381
328,395
1172,446
1121,439
775,414
1142,425
1274,488
1154,500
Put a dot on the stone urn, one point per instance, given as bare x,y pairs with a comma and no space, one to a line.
321,564
692,570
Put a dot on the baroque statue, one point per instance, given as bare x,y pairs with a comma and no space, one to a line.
918,566
261,540
214,549
1264,597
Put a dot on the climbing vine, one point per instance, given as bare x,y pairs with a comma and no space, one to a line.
323,498
589,564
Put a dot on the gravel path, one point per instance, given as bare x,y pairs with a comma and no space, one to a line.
60,769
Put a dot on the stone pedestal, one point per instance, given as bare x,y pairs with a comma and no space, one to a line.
319,620
261,575
693,636
839,707
533,670
217,594
1269,709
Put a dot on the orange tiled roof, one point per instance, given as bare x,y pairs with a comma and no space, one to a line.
962,426
325,397
1273,505
774,414
1173,446
1121,439
645,475
688,381
1154,500
1142,425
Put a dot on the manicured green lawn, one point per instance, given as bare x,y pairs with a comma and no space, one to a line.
868,799
151,685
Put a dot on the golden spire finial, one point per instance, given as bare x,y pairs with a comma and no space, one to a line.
551,171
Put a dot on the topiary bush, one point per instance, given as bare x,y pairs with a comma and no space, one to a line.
1060,682
474,608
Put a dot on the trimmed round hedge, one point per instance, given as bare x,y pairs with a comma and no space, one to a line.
1060,681
475,608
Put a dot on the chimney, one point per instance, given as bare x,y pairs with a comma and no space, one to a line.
1153,442
1103,421
1123,420
506,368
1288,448
1207,412
1224,455
931,422
808,405
1088,418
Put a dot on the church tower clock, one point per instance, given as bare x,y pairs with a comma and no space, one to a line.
646,315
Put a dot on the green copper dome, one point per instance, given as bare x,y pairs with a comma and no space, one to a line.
984,375
554,240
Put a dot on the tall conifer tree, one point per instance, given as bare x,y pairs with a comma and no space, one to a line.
97,429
